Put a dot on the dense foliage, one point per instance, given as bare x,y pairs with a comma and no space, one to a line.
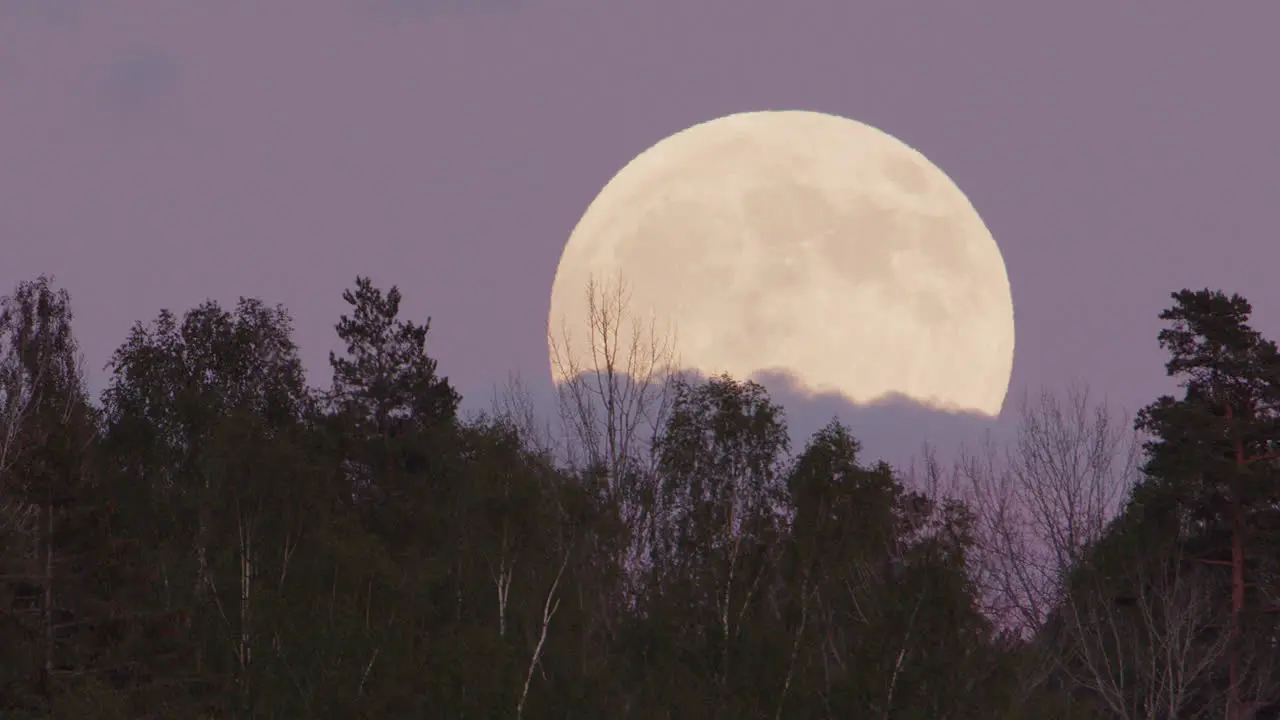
213,539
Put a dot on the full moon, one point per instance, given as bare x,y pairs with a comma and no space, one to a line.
800,243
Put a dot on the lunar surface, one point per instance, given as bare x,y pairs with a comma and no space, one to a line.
802,243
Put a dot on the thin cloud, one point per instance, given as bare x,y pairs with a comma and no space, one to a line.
140,93
435,8
58,13
142,80
894,429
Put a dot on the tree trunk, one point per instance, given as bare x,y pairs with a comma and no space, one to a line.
1238,529
1237,585
48,591
246,576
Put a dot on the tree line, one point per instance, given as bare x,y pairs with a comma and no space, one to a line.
212,538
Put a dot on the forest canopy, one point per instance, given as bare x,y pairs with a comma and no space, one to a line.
212,538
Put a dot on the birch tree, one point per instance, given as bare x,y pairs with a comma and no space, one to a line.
45,433
614,383
175,394
886,609
40,384
614,388
721,464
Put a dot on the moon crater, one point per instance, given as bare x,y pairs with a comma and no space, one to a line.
809,244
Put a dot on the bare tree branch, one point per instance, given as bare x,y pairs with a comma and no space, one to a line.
617,384
1146,644
614,388
1042,502
548,610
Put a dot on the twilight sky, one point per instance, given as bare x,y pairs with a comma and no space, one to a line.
156,153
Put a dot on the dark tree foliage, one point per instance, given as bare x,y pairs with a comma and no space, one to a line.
391,416
1231,376
1168,585
67,567
387,373
215,539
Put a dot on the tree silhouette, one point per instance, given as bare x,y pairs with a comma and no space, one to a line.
216,539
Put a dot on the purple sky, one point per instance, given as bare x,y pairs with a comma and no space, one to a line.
155,153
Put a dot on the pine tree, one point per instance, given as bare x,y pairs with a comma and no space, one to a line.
1209,464
393,416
